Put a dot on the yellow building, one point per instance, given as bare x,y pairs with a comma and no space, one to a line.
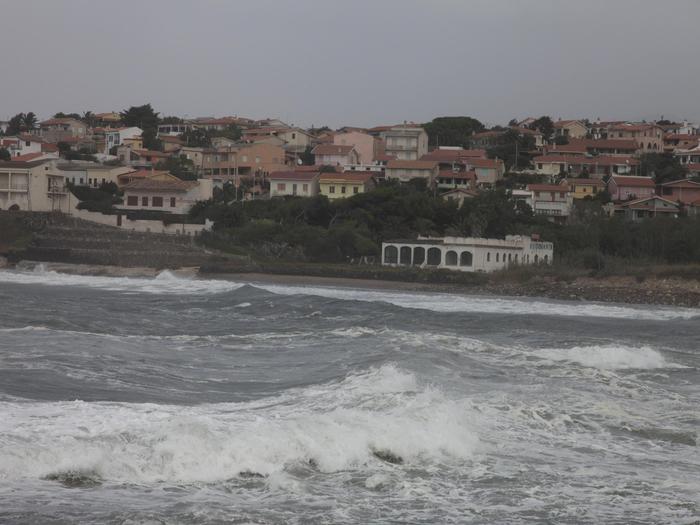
341,185
581,188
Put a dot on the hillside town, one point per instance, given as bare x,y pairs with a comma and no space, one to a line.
137,170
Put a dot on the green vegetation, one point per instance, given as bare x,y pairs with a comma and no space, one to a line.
664,167
5,154
100,199
512,144
15,234
21,123
317,230
145,118
451,131
201,138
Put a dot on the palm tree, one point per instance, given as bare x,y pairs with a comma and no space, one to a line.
29,121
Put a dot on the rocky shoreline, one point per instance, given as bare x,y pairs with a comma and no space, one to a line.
628,290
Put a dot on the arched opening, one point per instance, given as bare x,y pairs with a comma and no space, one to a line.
434,256
451,258
546,259
391,255
515,257
509,257
488,256
465,259
405,255
536,258
418,255
498,257
14,207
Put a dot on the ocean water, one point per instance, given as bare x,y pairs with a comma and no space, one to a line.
173,400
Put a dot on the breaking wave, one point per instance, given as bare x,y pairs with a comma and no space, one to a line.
169,283
609,357
369,418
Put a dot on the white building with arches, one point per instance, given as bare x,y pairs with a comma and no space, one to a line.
467,254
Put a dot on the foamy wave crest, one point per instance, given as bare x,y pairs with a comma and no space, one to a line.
165,282
443,302
346,425
609,357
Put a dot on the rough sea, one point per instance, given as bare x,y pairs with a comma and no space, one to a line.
174,400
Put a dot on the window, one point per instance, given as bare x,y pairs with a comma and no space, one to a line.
391,255
537,194
294,135
331,189
497,257
244,158
132,200
281,186
488,256
144,201
434,256
294,189
418,255
342,189
172,202
561,194
356,190
158,202
305,188
257,160
27,143
465,259
451,258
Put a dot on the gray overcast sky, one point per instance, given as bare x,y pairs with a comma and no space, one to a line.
355,62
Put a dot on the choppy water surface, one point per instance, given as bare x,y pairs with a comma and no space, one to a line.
171,400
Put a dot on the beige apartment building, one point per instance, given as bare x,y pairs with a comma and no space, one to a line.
408,142
649,137
33,186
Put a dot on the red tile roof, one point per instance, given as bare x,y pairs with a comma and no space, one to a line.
484,163
601,160
546,187
683,183
293,175
162,181
633,181
412,164
347,176
453,155
583,181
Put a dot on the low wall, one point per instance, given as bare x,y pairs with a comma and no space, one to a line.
141,225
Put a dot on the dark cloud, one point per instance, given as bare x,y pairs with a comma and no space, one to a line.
359,62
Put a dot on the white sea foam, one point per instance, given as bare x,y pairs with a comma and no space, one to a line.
443,302
338,426
167,282
609,357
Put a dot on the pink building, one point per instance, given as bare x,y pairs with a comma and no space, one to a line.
366,146
683,191
624,187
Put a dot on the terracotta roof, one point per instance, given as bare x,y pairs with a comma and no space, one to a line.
584,181
683,183
632,127
49,148
346,176
563,123
453,155
293,175
28,156
140,174
169,138
21,164
57,121
331,149
584,145
412,164
484,163
693,166
471,193
546,187
629,180
601,160
647,199
160,182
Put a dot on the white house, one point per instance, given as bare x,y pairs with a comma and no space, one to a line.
467,254
116,137
19,145
294,183
165,192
